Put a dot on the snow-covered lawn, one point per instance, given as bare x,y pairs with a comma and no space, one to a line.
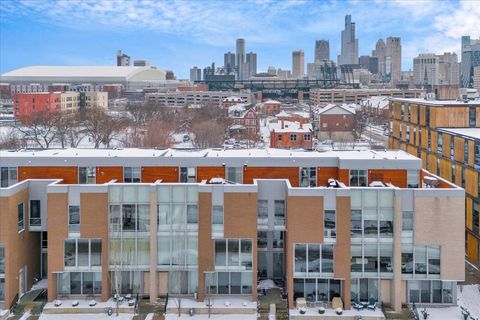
86,316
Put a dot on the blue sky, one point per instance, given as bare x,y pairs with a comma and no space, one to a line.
177,35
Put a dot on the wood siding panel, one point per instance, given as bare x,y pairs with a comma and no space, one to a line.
396,177
472,248
471,182
459,147
106,174
434,140
325,173
207,173
344,176
446,145
446,169
290,173
68,174
471,146
166,174
469,213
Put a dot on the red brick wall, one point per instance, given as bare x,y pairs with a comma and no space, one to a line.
331,120
286,143
28,103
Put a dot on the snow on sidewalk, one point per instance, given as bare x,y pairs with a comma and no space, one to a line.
469,298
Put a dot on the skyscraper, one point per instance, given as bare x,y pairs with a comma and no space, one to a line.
240,50
298,61
122,59
470,60
195,74
349,49
369,63
322,50
252,63
380,53
393,59
430,69
229,62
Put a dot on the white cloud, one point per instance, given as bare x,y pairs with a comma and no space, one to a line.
464,20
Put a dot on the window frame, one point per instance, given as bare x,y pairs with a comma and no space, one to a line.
21,217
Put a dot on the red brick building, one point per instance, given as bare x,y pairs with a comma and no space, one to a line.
269,107
28,103
296,116
243,120
231,101
335,118
290,135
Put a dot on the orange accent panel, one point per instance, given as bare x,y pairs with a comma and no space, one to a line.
206,173
344,176
395,177
290,173
68,174
105,174
166,174
325,173
472,248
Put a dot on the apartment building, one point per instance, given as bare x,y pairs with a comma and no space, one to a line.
335,118
243,119
185,98
446,136
322,97
213,222
285,134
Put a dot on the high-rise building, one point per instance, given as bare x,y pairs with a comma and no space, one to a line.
298,62
252,63
141,63
430,69
393,59
470,59
122,59
195,74
322,50
370,63
349,49
229,62
380,53
240,57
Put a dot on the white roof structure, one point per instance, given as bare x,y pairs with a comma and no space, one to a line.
420,101
289,126
270,101
233,99
83,74
337,109
473,133
376,102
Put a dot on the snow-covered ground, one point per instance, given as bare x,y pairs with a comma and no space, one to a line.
178,140
86,316
213,316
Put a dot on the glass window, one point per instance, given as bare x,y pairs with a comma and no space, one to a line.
330,223
314,258
472,117
131,174
476,154
233,253
115,218
246,282
414,291
465,152
21,217
420,260
412,178
356,223
279,218
163,248
192,213
407,220
75,283
407,258
82,252
96,253
2,259
217,216
86,175
356,263
246,254
73,218
308,177
327,258
143,251
300,258
278,239
439,143
87,283
192,250
128,217
220,252
370,223
187,174
386,257
434,260
8,176
70,255
35,216
235,174
370,257
143,217
386,222
262,212
358,178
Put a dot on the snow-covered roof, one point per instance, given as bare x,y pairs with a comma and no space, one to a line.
284,114
473,133
232,99
66,73
270,101
289,126
342,108
377,102
241,107
420,101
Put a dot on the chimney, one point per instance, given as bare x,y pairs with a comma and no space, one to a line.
282,124
301,125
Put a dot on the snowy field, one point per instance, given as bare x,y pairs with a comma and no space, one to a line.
86,316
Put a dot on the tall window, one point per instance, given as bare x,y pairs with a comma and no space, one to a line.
330,224
131,174
217,215
308,177
476,155
2,260
475,216
233,254
293,137
313,259
439,143
73,218
83,253
235,174
35,217
279,214
187,174
86,175
21,217
358,178
465,151
8,176
262,212
472,117
407,221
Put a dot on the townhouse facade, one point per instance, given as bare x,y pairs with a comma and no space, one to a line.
350,224
286,134
446,136
243,119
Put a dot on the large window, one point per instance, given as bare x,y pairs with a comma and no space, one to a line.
308,177
83,253
363,289
79,283
235,174
228,282
35,217
74,218
86,175
431,291
21,217
439,143
131,174
233,254
476,155
262,212
8,176
316,289
217,215
330,230
420,262
475,217
187,174
313,260
358,178
472,117
279,213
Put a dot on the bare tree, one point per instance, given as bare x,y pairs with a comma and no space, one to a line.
68,129
101,127
359,124
9,140
40,127
209,134
158,135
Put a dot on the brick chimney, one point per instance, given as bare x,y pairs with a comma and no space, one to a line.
283,125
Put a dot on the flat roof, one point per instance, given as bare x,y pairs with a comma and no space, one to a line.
473,133
375,159
439,102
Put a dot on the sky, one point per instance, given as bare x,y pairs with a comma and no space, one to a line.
176,35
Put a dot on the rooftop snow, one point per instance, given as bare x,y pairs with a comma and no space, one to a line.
74,72
438,102
466,132
289,126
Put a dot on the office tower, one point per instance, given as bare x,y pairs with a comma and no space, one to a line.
393,59
122,59
240,49
195,74
252,63
369,63
470,60
430,69
380,53
229,62
322,50
349,49
141,63
298,61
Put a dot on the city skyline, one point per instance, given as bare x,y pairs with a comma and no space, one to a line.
148,30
